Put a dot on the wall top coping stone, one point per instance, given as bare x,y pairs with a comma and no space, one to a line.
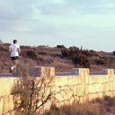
74,71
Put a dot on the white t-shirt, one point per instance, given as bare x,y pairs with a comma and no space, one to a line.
14,50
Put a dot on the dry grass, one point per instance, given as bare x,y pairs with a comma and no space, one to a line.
95,107
75,109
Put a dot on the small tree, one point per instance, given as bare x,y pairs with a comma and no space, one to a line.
31,94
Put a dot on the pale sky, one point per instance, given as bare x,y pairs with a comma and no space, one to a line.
86,23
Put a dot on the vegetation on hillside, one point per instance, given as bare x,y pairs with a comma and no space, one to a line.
60,57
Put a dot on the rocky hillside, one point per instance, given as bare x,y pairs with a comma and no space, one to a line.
63,59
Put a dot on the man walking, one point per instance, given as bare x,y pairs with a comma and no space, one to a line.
14,49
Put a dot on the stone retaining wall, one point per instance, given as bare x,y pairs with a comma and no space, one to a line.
68,89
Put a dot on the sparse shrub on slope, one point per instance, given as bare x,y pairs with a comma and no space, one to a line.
77,56
60,46
114,53
32,54
100,62
82,60
2,48
65,52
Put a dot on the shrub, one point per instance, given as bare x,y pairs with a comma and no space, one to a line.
32,54
77,56
60,46
2,48
31,95
65,52
81,60
113,52
22,70
100,62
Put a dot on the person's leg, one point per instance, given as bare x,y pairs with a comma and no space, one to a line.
15,63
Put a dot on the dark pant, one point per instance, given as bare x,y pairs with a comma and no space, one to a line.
15,61
14,58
